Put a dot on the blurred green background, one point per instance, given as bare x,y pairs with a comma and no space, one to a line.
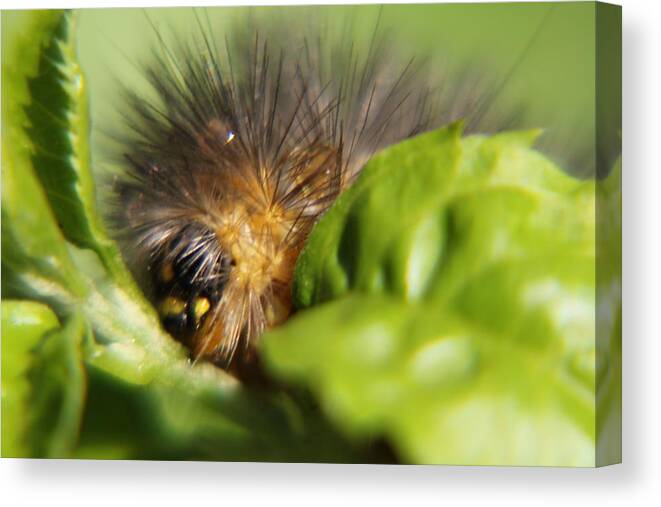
541,55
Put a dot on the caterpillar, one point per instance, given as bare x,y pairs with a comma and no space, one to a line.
248,141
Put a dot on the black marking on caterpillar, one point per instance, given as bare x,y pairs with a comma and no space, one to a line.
251,139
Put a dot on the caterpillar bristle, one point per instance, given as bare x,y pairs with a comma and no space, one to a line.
250,140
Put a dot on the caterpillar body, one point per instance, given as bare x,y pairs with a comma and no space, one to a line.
248,142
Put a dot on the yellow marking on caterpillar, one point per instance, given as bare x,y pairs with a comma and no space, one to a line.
200,307
172,306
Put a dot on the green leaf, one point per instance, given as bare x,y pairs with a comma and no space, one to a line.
160,420
356,245
426,212
34,255
48,193
24,323
57,388
43,382
464,326
172,410
59,131
442,389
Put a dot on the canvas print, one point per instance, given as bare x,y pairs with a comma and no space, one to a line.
339,234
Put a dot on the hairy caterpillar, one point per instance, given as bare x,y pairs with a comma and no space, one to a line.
250,139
